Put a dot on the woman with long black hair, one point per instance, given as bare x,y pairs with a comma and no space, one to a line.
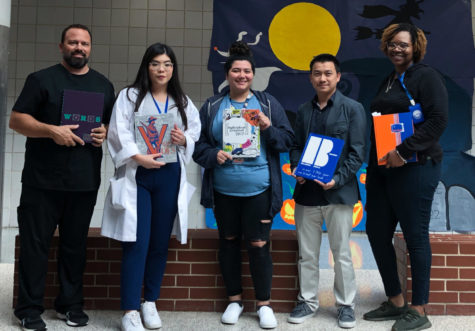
152,198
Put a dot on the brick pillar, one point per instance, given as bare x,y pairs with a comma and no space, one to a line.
452,282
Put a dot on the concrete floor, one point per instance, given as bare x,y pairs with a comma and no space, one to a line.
370,295
369,289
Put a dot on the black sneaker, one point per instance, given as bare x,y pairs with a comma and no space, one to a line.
33,323
74,318
346,317
411,321
300,313
387,311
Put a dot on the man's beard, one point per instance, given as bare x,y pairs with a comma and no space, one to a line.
75,62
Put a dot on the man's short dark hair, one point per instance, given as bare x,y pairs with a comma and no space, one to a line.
326,58
75,26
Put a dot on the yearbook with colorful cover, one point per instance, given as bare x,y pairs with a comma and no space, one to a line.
153,135
84,108
319,158
390,130
241,132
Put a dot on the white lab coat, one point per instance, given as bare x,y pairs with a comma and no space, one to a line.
120,223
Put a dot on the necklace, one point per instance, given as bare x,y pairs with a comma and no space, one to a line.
390,84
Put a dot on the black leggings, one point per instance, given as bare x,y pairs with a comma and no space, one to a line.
402,195
237,217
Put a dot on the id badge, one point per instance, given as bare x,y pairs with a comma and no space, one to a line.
417,115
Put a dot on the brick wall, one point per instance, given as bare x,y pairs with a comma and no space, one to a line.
192,280
452,285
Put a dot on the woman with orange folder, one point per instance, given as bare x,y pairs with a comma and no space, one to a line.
400,191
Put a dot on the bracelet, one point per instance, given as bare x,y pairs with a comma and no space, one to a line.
403,159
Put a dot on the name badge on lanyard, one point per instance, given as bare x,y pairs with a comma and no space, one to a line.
414,108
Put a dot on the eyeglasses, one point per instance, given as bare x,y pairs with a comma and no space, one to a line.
401,46
155,65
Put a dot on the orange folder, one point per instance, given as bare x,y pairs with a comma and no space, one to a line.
391,130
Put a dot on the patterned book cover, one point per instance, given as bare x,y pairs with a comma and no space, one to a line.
390,130
83,108
153,135
241,132
319,157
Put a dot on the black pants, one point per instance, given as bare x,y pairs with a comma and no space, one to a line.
402,195
237,217
39,213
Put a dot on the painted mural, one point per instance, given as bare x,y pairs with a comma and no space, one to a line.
285,35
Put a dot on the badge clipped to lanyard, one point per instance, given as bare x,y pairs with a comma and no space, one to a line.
414,108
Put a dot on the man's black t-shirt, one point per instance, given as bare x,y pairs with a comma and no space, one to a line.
47,164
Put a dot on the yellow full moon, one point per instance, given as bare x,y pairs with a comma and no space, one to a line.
302,30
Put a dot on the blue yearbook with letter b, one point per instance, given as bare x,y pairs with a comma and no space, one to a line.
319,158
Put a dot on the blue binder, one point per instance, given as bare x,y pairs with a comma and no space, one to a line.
319,157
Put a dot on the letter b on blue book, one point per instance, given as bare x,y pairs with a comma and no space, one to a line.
319,158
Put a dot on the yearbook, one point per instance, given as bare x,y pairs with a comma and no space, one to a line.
319,158
241,132
153,135
83,108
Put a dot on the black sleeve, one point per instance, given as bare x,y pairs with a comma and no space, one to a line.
31,97
298,143
356,147
279,135
433,98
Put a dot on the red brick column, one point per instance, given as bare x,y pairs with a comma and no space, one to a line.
452,284
192,280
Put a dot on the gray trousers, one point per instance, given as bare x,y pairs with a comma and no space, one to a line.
339,222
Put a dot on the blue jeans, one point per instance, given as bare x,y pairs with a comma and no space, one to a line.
144,260
402,195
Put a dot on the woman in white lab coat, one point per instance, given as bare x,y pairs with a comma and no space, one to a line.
148,198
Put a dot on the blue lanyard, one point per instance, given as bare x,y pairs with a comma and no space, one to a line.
401,79
158,108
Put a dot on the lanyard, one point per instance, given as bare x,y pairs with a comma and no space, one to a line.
244,106
158,108
401,79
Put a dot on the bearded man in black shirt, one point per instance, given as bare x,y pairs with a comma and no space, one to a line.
60,180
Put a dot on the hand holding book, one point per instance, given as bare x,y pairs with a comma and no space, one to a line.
63,135
177,136
392,159
149,161
264,121
325,186
222,157
98,135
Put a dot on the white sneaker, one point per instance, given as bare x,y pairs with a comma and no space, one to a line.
232,313
266,317
131,322
151,319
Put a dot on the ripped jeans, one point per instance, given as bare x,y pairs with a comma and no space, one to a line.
246,217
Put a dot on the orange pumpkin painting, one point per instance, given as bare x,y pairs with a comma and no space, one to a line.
363,178
358,211
286,169
287,211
